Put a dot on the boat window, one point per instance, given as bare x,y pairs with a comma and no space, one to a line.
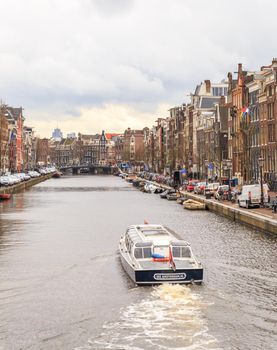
181,252
143,253
179,243
176,252
128,242
138,253
144,244
147,252
186,252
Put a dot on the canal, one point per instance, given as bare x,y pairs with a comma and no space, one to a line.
62,285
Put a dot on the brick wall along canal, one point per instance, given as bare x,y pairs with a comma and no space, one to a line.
62,286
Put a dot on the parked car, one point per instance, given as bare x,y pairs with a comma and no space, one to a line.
43,171
211,189
251,195
16,179
191,185
200,187
4,180
9,180
33,173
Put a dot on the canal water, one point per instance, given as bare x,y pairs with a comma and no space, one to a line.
62,285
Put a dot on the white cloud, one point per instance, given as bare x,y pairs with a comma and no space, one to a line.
76,55
109,117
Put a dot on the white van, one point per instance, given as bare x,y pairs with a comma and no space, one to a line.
251,195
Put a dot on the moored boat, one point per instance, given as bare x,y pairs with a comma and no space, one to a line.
57,174
181,200
153,254
194,205
5,196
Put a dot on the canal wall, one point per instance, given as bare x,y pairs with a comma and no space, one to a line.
245,217
248,218
21,186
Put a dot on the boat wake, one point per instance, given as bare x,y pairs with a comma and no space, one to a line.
171,318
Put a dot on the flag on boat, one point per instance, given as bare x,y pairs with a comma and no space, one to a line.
171,261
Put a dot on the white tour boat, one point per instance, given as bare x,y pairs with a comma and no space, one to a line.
153,254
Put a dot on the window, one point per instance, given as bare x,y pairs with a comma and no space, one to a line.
143,253
147,252
186,253
181,252
176,252
138,253
219,91
270,110
271,132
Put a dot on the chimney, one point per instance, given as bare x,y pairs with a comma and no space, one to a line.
239,68
274,62
208,86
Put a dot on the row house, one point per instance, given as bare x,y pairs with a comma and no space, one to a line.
252,124
98,149
17,141
251,127
133,145
155,147
90,148
148,147
190,141
175,138
268,121
102,149
118,148
42,151
29,149
238,133
15,125
66,152
205,100
4,141
159,144
224,131
114,143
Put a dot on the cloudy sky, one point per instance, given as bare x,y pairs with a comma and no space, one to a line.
88,65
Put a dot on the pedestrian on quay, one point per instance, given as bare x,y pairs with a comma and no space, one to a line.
274,205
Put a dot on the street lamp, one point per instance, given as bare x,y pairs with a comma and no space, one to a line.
261,164
229,165
206,167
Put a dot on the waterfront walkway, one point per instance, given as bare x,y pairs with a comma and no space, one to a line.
266,212
258,218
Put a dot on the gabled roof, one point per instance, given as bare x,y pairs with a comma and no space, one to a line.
88,137
208,102
14,112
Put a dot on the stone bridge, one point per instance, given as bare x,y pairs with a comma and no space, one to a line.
88,168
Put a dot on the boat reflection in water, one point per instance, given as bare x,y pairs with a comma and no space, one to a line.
153,254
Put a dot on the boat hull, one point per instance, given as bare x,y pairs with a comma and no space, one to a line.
169,276
5,196
142,277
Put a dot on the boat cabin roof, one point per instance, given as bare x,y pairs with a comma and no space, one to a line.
156,234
